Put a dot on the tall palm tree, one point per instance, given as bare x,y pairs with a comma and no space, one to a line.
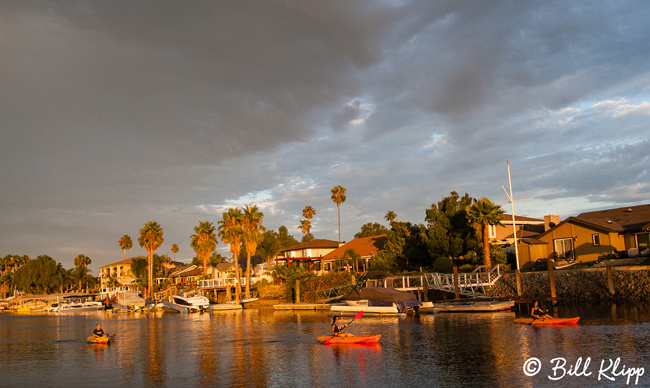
174,250
151,238
338,196
230,232
305,227
253,229
125,243
204,242
308,212
482,214
390,217
82,262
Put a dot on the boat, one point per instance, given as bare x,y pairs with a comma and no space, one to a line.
344,310
474,306
193,303
551,321
355,339
76,303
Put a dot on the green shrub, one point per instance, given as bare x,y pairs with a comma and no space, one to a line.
443,264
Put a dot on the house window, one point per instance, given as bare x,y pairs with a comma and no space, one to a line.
642,241
564,248
493,231
595,239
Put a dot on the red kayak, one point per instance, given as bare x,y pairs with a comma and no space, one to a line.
360,339
553,321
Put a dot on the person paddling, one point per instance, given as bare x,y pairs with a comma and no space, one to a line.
538,313
337,328
98,332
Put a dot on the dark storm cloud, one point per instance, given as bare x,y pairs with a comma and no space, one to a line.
114,113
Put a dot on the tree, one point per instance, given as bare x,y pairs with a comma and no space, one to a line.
125,243
482,214
370,229
448,231
37,276
304,227
308,212
252,236
174,250
81,262
338,196
286,240
230,232
151,238
204,242
390,216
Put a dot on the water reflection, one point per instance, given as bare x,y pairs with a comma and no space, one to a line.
266,348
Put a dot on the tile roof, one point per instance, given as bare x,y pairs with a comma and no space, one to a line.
507,218
628,218
317,243
365,246
126,261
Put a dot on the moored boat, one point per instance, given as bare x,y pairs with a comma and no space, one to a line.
355,339
548,321
195,303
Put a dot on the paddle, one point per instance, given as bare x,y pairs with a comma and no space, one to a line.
359,315
531,322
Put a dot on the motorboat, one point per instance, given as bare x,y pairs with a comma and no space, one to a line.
196,302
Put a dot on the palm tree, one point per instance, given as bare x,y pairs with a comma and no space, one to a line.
151,238
174,250
305,227
82,262
308,212
483,213
390,217
125,243
253,229
230,232
338,196
204,242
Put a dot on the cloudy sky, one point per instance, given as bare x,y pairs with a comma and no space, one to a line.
115,113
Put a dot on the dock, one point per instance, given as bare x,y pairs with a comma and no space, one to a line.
302,306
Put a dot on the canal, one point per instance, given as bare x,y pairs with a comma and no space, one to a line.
267,348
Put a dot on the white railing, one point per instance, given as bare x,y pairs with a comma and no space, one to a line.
112,291
472,283
212,283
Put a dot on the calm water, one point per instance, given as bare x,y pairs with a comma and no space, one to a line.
266,348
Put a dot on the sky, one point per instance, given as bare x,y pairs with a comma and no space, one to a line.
115,113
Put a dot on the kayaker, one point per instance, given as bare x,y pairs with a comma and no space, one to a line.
98,332
337,328
538,313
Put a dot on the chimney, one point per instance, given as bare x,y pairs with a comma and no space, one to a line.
550,221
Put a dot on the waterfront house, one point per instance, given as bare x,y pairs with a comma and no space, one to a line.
186,274
309,254
525,226
365,247
221,270
120,271
590,236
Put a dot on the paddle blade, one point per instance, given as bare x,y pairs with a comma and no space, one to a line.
359,315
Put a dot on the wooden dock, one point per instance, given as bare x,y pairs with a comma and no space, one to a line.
302,306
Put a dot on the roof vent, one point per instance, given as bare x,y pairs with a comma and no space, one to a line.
609,221
628,210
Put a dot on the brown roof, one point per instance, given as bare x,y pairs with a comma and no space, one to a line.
628,218
365,246
317,243
126,261
622,219
508,218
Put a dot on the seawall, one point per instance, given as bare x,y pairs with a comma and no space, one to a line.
630,284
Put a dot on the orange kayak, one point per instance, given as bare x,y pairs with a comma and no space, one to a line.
99,340
361,339
554,321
